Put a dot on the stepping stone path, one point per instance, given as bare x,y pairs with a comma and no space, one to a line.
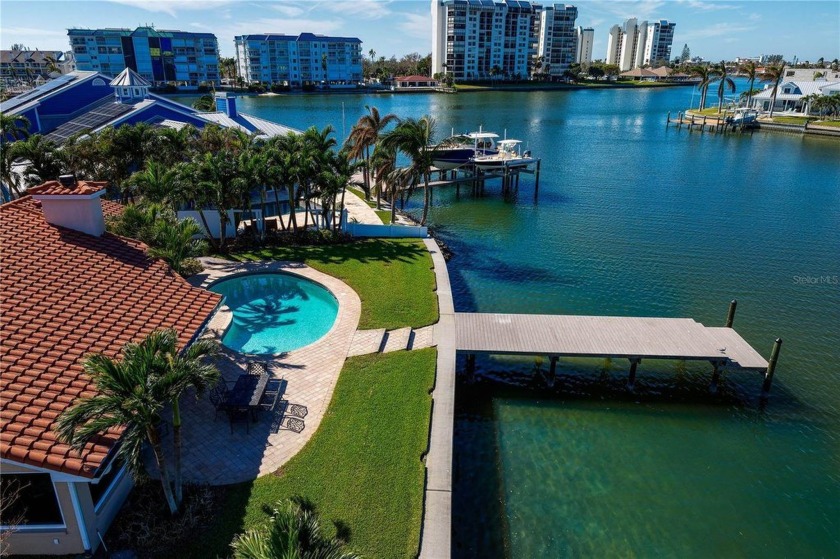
366,342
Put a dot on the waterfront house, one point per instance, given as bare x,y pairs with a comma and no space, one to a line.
790,96
70,289
90,101
414,82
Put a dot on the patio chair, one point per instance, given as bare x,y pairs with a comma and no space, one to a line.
273,393
257,368
218,397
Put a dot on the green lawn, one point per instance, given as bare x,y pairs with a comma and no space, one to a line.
832,123
362,470
709,111
384,215
800,120
393,277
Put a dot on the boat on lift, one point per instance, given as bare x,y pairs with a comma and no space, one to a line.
457,151
743,117
508,156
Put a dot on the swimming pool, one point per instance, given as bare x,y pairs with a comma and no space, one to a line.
275,312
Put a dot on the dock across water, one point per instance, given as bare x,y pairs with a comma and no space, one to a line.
632,338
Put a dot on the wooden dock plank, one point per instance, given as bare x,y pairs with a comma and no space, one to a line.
602,336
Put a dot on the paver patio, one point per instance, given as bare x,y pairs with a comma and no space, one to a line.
210,452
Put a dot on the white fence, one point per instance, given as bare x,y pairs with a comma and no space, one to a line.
213,222
389,231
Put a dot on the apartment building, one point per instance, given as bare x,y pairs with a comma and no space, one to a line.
660,37
298,60
585,39
29,65
636,44
558,38
178,58
476,39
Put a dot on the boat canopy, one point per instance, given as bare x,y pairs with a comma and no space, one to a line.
481,135
509,142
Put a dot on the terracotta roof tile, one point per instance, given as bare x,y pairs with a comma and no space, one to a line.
55,188
67,294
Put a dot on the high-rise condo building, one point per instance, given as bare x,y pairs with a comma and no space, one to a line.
475,39
161,57
635,44
660,36
585,38
297,60
558,38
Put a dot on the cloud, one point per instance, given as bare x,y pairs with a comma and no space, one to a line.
172,7
724,29
31,31
754,17
363,9
416,25
705,6
641,9
287,10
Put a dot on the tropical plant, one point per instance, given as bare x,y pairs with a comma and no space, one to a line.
382,162
174,242
129,398
749,70
414,138
294,532
156,183
364,135
14,127
178,372
707,76
205,103
724,82
774,75
39,157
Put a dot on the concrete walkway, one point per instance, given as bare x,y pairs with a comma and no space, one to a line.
436,537
379,340
215,455
359,211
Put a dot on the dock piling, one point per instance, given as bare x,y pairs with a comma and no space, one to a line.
730,317
537,180
713,388
771,369
631,379
552,372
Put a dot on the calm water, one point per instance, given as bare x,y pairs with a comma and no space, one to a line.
273,313
637,219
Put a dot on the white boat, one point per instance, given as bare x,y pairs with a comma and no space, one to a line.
457,151
743,117
509,156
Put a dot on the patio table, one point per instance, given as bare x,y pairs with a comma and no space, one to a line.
247,393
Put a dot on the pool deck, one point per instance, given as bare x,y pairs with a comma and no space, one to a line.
214,455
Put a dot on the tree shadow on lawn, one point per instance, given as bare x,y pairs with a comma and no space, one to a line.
364,251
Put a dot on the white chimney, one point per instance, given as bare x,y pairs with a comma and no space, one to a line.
71,204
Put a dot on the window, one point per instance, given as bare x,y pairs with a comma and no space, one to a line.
99,491
36,503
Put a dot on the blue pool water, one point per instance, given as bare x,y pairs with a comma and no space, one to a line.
274,313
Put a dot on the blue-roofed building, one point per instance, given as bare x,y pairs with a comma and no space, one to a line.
177,58
82,102
299,60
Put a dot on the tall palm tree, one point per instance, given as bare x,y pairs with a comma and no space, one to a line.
382,162
414,138
750,71
365,134
724,82
179,372
156,182
10,181
706,75
774,75
315,152
294,532
129,397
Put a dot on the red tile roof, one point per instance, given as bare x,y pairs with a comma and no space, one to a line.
55,188
415,78
66,294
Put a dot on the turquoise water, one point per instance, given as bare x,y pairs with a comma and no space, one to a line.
275,313
637,219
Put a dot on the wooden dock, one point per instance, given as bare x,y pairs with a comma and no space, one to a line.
632,338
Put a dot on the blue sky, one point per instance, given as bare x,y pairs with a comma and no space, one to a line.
712,29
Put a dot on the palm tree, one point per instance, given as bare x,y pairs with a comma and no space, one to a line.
294,532
40,157
774,75
219,187
706,75
9,179
178,372
750,71
365,134
414,137
174,242
724,82
382,162
315,152
156,182
205,103
16,127
129,397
